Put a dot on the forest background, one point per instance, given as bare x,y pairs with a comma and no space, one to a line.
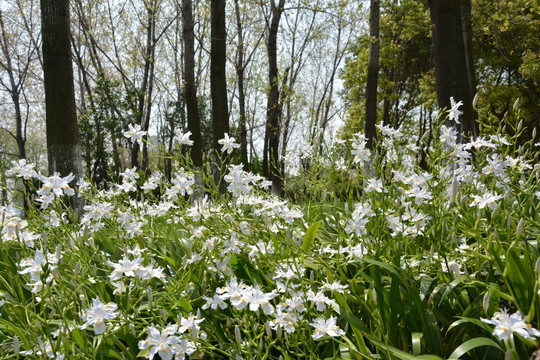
129,60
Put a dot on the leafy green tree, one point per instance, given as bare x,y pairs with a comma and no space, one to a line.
507,56
405,63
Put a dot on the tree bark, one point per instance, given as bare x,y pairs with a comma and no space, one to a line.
372,75
240,69
273,109
145,100
466,22
218,83
14,89
190,89
63,151
451,73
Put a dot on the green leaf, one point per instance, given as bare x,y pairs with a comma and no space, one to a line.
76,333
476,322
185,305
519,280
417,343
473,344
18,331
310,236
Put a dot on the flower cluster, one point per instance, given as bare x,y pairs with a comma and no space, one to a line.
172,341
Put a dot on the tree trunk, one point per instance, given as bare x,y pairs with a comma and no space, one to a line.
146,123
190,89
466,23
372,75
63,151
451,61
241,95
272,109
144,100
218,84
14,90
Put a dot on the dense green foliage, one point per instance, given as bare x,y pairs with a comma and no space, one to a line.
506,59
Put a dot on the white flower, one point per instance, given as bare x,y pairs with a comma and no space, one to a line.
454,112
11,228
228,143
319,299
374,185
335,286
448,135
213,303
33,266
506,325
191,324
258,298
359,150
125,267
183,138
161,343
326,327
22,169
135,134
58,185
487,199
97,314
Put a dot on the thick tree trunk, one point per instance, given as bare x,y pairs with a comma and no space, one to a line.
190,89
218,83
451,73
63,151
372,75
273,109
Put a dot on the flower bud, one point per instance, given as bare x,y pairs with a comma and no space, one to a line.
16,345
485,302
237,335
520,125
150,295
454,188
58,252
266,220
508,195
519,229
268,329
533,134
515,106
475,100
454,267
